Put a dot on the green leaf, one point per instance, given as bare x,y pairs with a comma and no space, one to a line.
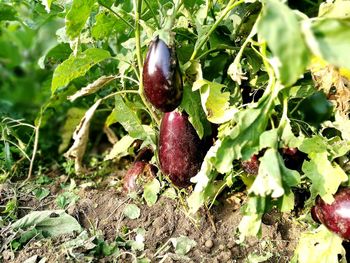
7,13
191,103
214,102
77,16
319,246
40,193
279,26
326,177
316,144
242,140
183,245
65,199
127,118
76,66
329,39
151,191
253,211
51,222
272,174
132,211
106,23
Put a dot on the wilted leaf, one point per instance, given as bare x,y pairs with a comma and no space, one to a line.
183,245
77,16
319,246
81,137
132,211
279,26
93,87
74,116
76,66
151,191
51,222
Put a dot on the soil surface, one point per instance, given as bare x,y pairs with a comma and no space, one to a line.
100,212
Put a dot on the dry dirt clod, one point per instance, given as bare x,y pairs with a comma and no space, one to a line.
209,243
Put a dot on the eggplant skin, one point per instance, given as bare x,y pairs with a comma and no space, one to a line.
180,149
161,75
335,216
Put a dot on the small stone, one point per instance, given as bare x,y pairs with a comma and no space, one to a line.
221,247
209,243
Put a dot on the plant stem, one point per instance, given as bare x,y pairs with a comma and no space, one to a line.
138,7
35,147
231,5
153,14
117,15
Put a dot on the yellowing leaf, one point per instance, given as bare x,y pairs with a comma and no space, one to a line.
81,137
319,246
74,116
92,87
215,103
120,148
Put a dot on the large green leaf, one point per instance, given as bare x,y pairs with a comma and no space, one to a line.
279,26
127,118
330,40
242,140
215,103
77,16
319,246
191,103
51,222
325,176
76,66
7,12
105,25
272,176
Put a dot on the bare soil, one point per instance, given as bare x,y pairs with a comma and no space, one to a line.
100,212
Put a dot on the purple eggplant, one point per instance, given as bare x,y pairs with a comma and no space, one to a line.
335,216
162,79
180,149
139,173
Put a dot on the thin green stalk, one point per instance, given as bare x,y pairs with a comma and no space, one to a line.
138,7
153,14
231,5
117,15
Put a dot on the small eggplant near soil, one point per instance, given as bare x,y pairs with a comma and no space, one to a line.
180,149
139,172
335,216
162,79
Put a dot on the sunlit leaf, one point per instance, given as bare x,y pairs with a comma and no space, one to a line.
76,66
279,26
77,16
